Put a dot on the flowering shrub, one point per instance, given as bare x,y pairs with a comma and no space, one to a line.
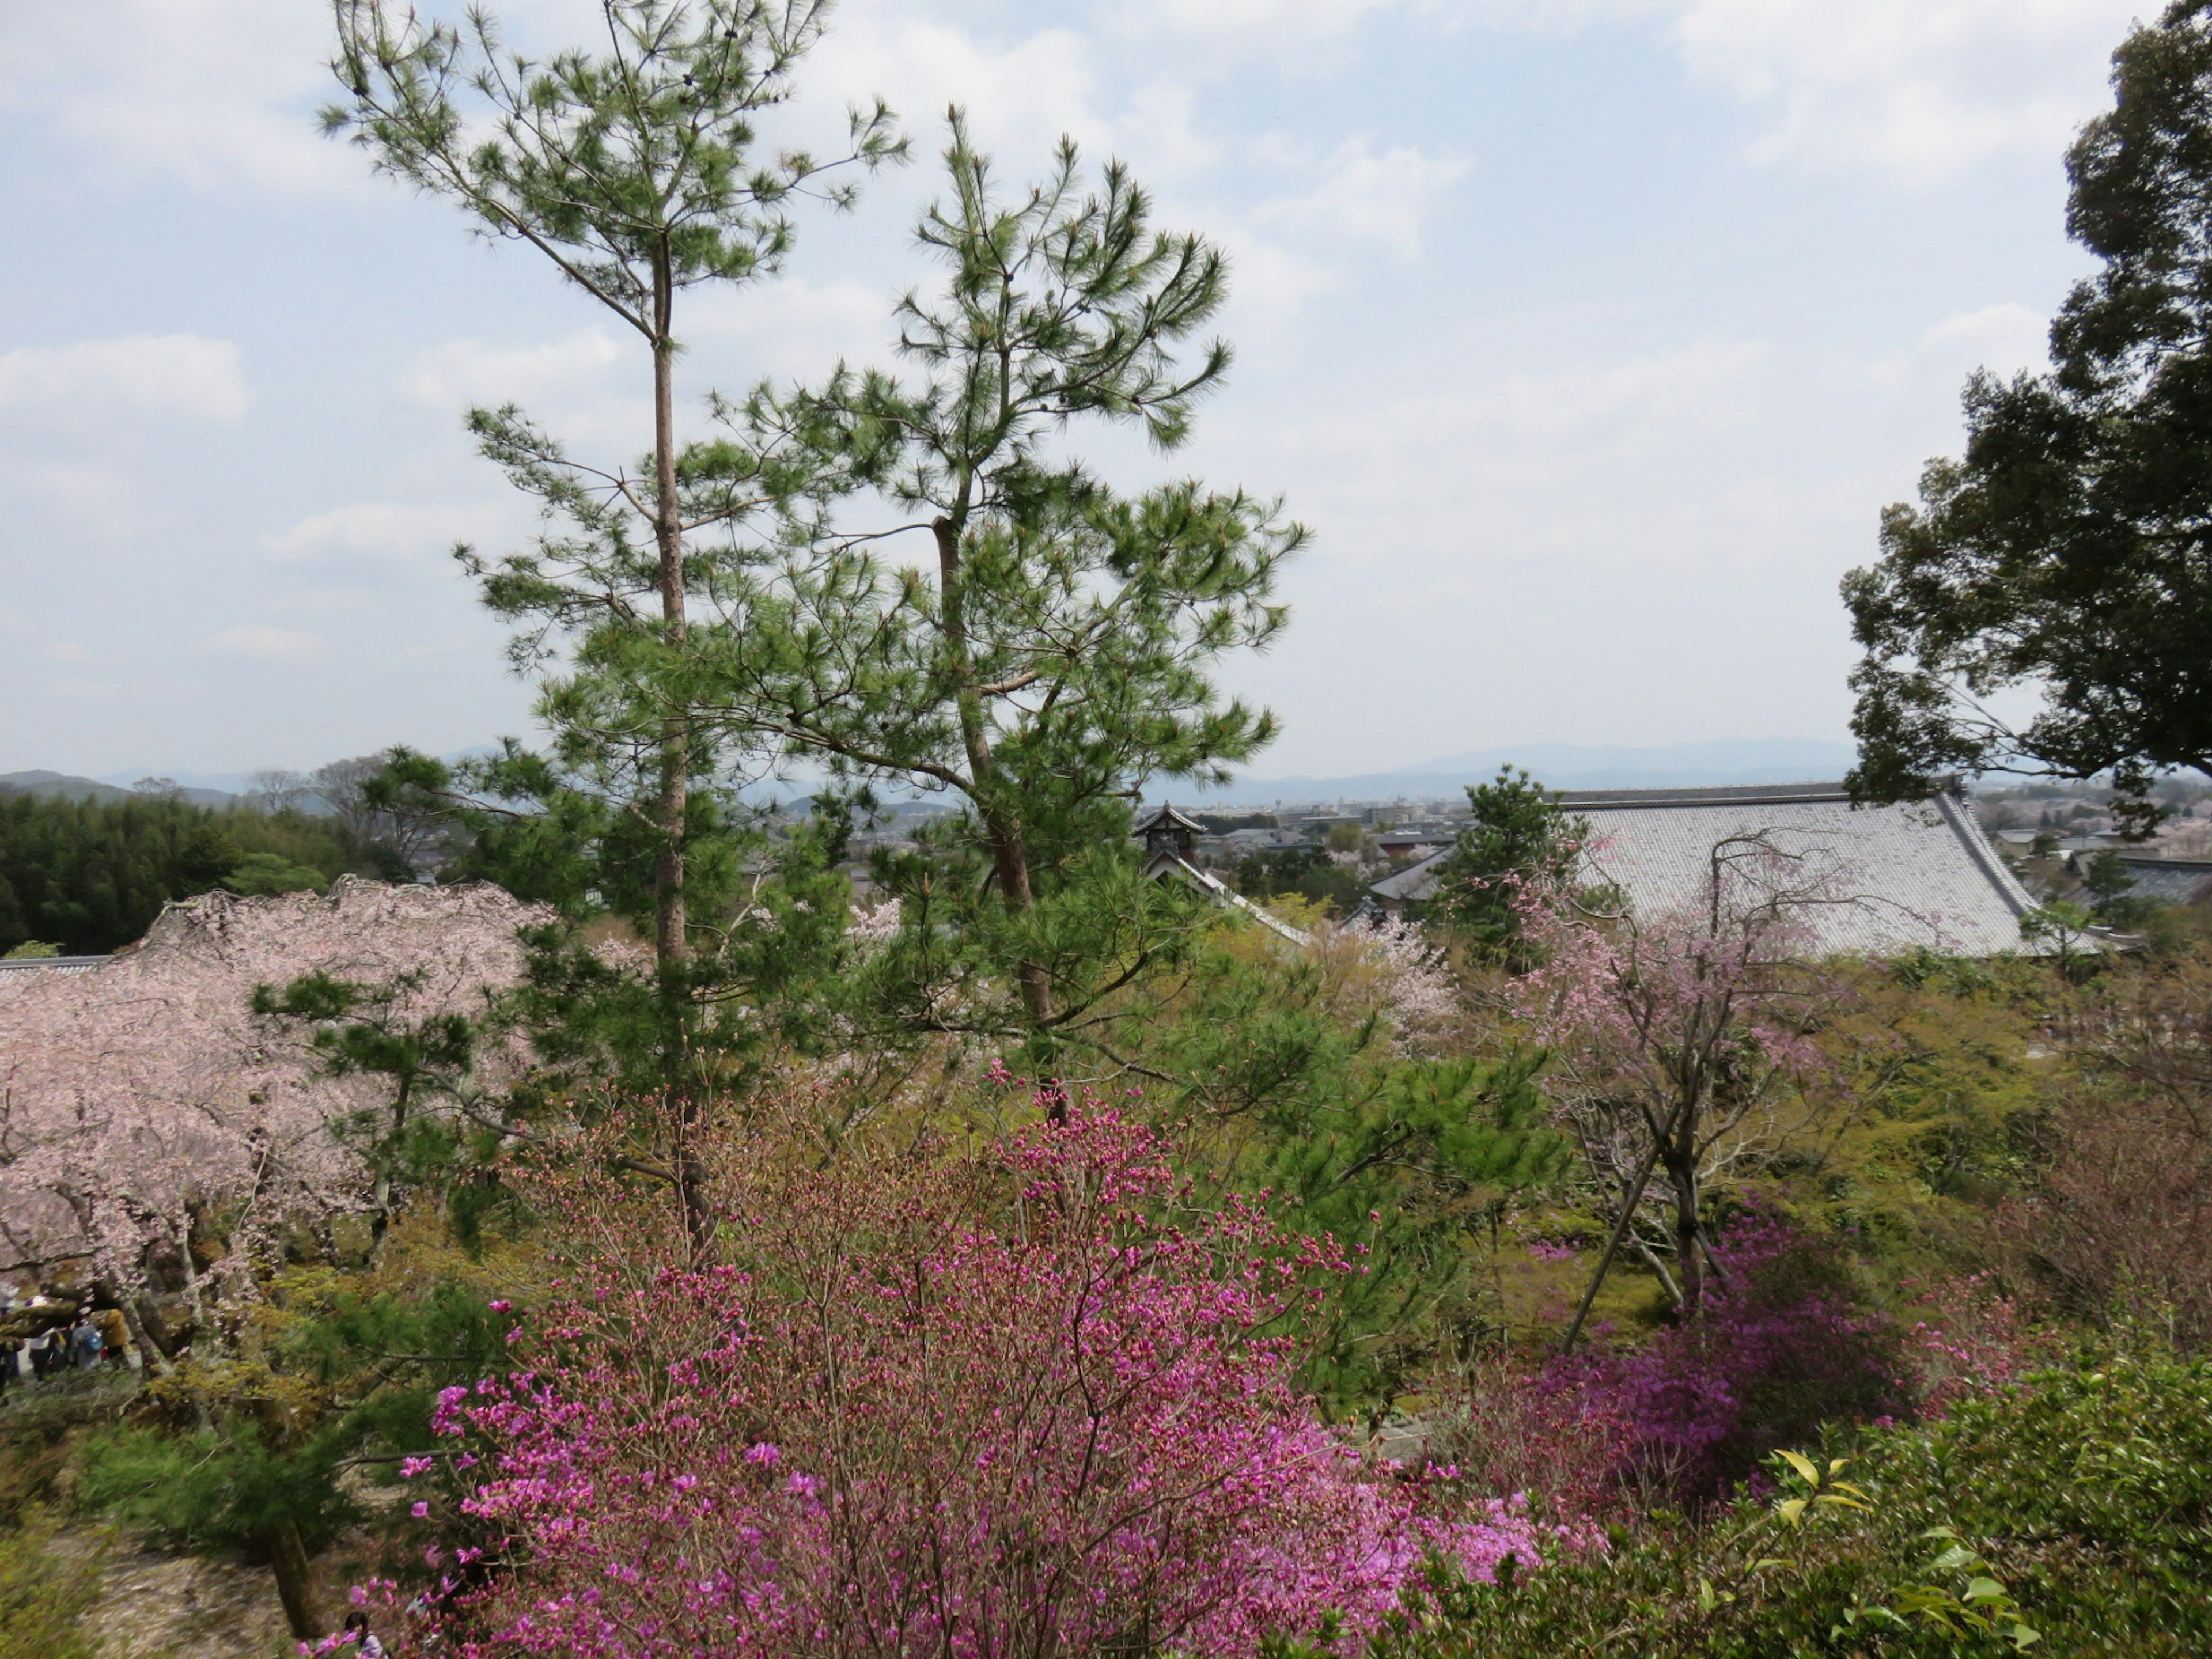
1512,1429
1776,1348
1970,1341
1024,1402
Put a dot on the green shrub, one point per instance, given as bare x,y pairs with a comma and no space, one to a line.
44,1594
2079,1506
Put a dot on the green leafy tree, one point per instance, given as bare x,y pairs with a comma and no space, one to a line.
2069,550
371,1030
252,1451
1053,653
89,876
2110,886
1415,1167
258,874
1516,835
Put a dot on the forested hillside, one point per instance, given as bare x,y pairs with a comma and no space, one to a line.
89,876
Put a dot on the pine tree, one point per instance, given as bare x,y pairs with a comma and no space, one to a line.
1054,653
634,172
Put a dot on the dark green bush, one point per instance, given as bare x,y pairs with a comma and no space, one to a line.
2085,1495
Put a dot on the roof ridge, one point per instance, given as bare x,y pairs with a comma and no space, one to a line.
1716,794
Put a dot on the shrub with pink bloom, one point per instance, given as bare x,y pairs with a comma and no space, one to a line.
1779,1348
1026,1400
1969,1340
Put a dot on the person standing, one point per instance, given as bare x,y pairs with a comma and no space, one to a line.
357,1630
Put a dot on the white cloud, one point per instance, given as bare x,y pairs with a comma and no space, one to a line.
463,372
98,382
1919,91
1020,97
78,689
1571,463
1270,20
792,328
210,92
265,643
1381,197
2002,339
382,530
65,651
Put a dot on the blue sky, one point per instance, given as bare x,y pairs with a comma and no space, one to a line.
1589,336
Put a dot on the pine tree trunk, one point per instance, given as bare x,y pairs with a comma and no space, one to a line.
1009,855
671,930
669,942
295,1581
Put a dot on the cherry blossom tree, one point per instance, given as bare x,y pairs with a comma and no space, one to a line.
156,1135
1676,1037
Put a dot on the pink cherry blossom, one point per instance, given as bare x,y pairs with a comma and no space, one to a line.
149,1119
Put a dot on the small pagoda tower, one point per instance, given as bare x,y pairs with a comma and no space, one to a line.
1169,839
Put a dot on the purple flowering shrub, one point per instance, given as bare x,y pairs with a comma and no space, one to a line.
1779,1347
1029,1400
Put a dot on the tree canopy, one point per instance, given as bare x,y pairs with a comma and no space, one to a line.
2069,551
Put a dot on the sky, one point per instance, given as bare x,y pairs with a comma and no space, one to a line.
1588,336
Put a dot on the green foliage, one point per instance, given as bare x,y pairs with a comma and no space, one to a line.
44,1594
1307,871
218,1488
2066,550
2073,1515
637,174
766,900
1416,1169
31,950
356,1030
247,1449
258,874
2108,882
90,876
1056,652
1516,834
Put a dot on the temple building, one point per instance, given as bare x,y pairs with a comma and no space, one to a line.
1879,881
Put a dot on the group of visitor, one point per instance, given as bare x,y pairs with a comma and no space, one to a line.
82,1345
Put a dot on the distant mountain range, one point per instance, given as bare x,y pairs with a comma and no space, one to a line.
68,787
1560,766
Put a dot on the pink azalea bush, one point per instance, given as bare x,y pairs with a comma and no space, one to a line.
1024,1399
1969,1340
1778,1346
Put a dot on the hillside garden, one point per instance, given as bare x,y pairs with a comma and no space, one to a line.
655,1241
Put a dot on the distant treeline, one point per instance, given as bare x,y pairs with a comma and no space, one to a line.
89,876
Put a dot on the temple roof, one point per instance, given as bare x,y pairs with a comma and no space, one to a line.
1909,877
1168,818
2176,881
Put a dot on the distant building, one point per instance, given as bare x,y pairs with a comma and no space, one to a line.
1171,840
1903,878
2170,881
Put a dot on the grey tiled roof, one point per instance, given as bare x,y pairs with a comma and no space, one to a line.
1911,875
53,964
2177,881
